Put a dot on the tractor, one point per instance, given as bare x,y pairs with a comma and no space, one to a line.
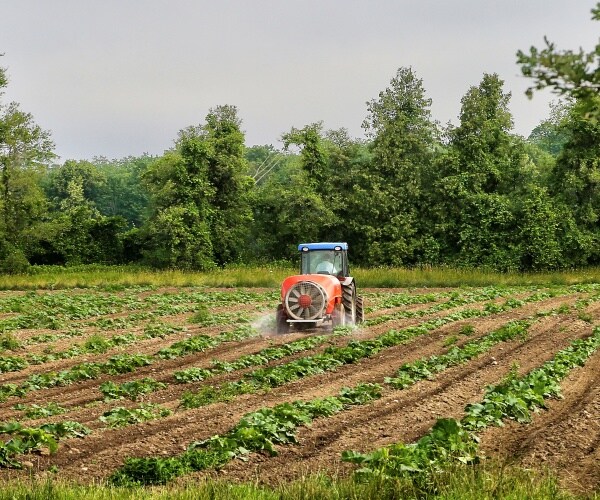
323,292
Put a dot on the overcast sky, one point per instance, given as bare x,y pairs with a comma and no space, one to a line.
121,77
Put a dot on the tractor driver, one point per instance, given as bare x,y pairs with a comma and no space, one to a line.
326,266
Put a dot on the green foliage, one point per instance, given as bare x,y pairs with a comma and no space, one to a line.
27,439
447,442
121,416
576,74
9,342
122,193
25,151
467,330
199,193
132,390
393,209
12,363
97,343
37,411
201,315
484,187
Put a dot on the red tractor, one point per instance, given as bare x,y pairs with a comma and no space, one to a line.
323,292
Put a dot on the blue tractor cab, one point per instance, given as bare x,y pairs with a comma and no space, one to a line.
324,258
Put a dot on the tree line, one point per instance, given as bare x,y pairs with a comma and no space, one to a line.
412,192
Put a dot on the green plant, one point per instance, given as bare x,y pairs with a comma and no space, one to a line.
201,315
121,416
131,390
12,363
37,411
9,342
96,343
450,340
467,330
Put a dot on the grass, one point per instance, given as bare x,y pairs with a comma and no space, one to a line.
56,277
486,481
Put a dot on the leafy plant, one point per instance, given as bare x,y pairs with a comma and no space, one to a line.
28,439
131,390
450,340
121,416
9,342
467,330
97,343
37,411
12,363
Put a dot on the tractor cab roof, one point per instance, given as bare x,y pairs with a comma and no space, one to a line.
307,247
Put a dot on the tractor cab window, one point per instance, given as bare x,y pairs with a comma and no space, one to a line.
321,262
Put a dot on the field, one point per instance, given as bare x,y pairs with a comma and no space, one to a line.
154,385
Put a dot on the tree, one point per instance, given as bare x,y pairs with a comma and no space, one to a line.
483,175
227,171
85,174
549,135
287,210
177,233
199,191
123,193
575,74
312,156
404,139
575,185
25,151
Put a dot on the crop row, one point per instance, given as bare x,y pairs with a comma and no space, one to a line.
426,368
122,363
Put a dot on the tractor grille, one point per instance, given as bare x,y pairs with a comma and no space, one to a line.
306,300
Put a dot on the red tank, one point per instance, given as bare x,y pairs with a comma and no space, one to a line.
310,296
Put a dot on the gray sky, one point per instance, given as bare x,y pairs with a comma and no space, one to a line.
122,77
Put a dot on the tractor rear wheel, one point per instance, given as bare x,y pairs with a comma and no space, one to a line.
349,301
360,310
281,320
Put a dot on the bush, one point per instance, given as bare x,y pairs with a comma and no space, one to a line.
14,262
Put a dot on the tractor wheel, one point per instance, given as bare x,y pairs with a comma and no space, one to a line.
281,320
349,301
338,316
360,310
